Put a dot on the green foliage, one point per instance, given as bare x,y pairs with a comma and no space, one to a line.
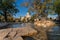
8,7
57,6
57,2
38,7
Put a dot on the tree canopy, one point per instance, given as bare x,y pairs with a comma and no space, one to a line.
8,7
57,8
38,6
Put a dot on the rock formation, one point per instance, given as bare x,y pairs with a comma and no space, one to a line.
41,34
16,33
42,26
44,23
38,32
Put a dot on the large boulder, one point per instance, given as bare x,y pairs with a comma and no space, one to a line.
7,38
17,38
44,23
15,33
25,31
42,35
12,34
4,33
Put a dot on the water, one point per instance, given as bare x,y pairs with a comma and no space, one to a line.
3,24
17,25
54,34
20,25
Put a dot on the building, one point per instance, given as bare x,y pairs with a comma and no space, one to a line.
22,18
27,17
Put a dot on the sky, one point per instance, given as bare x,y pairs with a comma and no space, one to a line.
24,10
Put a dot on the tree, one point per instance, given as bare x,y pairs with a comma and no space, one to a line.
38,6
8,7
57,7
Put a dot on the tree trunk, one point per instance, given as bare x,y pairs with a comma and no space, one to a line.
58,19
5,15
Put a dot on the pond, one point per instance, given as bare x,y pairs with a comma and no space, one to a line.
54,34
20,25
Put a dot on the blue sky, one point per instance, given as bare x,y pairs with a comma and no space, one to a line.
24,10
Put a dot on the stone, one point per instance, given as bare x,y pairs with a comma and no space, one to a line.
45,23
17,38
15,33
12,34
42,35
6,39
26,31
4,33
